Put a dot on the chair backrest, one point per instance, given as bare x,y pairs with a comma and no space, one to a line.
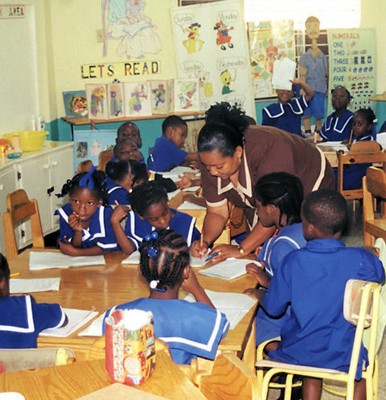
20,209
103,158
361,308
230,379
359,153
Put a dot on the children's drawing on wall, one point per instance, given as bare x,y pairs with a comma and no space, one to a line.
226,80
186,95
97,100
269,41
115,100
223,39
161,96
124,20
313,69
193,43
75,103
137,98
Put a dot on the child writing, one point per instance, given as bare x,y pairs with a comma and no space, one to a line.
287,113
167,152
279,196
21,318
85,228
190,329
149,203
122,176
316,334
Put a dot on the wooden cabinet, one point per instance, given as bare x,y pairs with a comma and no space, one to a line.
41,174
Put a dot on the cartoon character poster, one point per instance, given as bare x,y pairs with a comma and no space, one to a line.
126,22
269,41
211,46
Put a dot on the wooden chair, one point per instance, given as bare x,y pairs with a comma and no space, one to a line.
374,189
361,308
230,379
359,153
20,209
103,158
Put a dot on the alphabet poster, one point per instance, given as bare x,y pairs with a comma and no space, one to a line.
352,63
211,46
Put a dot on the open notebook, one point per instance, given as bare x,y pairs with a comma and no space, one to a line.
46,260
229,269
34,285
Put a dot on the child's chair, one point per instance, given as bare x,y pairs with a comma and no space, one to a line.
19,209
361,308
374,188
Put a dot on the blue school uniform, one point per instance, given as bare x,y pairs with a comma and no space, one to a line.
165,155
313,281
116,193
22,319
337,129
190,329
272,254
286,116
100,232
136,228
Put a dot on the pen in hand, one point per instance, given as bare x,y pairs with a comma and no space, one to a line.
217,253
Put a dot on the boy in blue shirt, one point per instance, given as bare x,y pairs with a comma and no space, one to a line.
313,281
167,152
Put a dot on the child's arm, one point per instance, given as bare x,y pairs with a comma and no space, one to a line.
308,92
192,285
70,250
259,274
124,242
75,224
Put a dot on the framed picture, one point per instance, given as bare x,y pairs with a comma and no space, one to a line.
75,104
97,101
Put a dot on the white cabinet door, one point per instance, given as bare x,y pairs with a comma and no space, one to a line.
7,185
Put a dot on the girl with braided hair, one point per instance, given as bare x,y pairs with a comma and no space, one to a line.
85,228
190,329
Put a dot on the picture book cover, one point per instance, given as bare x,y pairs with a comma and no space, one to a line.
115,100
136,97
97,101
161,96
186,95
75,104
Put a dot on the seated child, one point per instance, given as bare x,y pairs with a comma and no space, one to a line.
167,152
85,228
126,149
129,130
287,113
337,126
362,131
122,176
313,281
190,329
21,318
149,203
279,196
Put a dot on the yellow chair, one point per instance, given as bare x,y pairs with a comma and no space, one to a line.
374,188
230,379
20,209
359,153
361,307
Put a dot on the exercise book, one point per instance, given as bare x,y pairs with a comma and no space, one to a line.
33,285
47,260
231,268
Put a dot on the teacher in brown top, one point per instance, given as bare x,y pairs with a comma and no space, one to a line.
233,157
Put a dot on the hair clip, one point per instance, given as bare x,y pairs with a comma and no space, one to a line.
87,180
153,285
151,251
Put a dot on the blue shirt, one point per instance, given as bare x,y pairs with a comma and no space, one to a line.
21,321
313,281
136,228
337,129
286,116
99,233
165,155
190,329
116,193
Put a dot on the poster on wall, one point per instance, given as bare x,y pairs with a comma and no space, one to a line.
352,63
211,46
269,41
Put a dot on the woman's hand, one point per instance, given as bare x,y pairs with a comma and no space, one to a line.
184,182
225,251
198,249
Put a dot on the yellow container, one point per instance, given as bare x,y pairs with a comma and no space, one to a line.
29,140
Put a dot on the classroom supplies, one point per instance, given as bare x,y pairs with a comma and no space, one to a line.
47,260
33,285
76,319
228,269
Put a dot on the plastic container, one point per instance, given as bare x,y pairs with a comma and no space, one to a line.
29,140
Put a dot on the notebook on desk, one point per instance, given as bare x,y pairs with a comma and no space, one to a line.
34,285
39,260
228,269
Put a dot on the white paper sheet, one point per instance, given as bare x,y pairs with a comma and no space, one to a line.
33,285
132,259
283,73
197,262
228,269
47,260
233,305
95,328
177,171
186,205
337,146
76,319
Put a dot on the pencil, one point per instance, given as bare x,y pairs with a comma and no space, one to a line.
116,203
350,140
14,275
201,242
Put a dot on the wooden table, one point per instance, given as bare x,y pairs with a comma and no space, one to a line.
101,287
80,378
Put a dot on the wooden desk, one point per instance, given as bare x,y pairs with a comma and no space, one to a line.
80,378
101,287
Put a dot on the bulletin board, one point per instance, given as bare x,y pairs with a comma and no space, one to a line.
352,63
211,45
